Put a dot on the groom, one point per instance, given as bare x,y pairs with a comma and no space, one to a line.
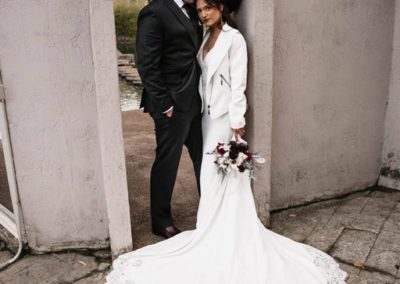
168,38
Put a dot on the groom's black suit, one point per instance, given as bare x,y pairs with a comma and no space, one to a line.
167,44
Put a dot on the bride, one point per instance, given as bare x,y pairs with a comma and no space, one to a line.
229,245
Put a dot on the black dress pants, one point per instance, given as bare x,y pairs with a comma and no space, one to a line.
171,134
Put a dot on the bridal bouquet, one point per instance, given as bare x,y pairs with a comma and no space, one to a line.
235,156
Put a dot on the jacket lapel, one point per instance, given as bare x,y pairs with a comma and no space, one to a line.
219,51
185,21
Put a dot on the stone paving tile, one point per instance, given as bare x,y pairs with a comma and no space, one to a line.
356,279
353,204
5,255
350,269
392,223
353,245
375,278
373,216
324,236
367,223
298,223
49,269
376,207
389,238
386,261
97,278
385,196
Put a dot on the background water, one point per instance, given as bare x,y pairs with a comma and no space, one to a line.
129,95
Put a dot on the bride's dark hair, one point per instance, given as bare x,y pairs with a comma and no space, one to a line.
229,6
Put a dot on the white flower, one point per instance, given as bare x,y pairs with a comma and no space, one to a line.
258,159
234,167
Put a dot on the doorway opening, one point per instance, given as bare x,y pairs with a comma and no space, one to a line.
139,138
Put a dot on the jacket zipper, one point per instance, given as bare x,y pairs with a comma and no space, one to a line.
222,82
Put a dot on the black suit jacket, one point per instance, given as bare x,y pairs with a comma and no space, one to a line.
166,47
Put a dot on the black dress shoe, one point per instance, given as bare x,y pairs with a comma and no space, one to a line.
168,232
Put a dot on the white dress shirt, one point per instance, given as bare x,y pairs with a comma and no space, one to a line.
180,4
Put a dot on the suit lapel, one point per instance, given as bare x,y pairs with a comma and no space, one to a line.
185,21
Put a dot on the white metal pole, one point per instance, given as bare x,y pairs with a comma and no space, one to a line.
9,161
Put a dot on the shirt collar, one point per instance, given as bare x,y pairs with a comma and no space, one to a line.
180,3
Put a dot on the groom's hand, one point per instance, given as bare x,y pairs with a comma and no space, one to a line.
238,132
170,112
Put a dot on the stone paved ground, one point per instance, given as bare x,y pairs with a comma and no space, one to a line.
73,267
362,231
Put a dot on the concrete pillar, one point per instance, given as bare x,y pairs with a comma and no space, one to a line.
58,62
256,21
390,171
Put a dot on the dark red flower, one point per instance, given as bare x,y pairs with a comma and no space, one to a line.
220,150
242,147
249,156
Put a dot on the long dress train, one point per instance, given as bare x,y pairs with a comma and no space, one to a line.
229,245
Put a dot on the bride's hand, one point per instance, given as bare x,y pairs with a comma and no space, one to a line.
238,132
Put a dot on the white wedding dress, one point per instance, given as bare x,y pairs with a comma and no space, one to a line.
229,245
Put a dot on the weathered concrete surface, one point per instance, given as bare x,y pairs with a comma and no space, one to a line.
330,88
256,22
109,128
56,268
65,123
390,171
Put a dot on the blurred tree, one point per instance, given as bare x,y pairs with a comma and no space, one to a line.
126,13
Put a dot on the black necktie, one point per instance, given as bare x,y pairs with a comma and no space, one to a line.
191,11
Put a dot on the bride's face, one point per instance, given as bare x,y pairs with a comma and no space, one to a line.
209,15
